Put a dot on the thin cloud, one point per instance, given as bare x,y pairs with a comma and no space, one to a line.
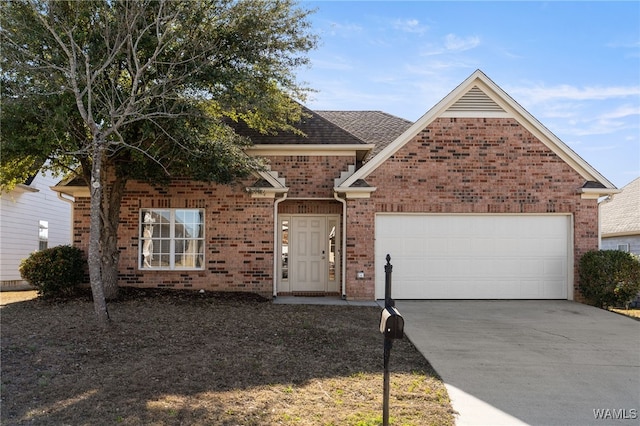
344,29
334,64
541,94
622,111
590,126
454,43
412,26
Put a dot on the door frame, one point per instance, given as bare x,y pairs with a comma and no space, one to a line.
333,276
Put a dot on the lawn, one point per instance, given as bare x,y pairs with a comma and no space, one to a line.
181,358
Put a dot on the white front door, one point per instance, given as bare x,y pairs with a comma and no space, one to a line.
308,254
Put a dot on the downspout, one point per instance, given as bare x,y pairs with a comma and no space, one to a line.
276,259
343,254
600,203
71,200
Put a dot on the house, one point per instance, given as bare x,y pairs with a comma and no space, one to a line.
620,220
32,217
475,200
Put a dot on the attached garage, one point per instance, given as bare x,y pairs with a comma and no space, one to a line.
475,256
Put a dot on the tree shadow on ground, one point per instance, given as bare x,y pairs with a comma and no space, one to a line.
185,358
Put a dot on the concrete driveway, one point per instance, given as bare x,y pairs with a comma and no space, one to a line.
530,362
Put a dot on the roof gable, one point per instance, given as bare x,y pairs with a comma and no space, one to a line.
474,102
479,97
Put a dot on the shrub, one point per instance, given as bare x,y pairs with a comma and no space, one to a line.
609,277
55,271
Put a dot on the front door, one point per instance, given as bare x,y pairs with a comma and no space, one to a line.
310,254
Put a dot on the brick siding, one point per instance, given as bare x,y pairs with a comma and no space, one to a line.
238,228
468,165
453,166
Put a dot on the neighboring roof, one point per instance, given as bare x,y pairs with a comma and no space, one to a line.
317,131
476,97
375,127
72,185
621,216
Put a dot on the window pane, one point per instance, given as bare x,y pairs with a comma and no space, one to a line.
332,250
43,230
147,229
285,249
43,234
172,238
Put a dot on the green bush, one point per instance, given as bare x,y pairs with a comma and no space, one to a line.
609,277
54,272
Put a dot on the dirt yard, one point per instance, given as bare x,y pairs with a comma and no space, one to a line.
181,358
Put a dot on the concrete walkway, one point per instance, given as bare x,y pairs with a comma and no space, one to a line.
334,301
530,362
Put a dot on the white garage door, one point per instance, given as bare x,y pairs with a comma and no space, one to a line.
474,256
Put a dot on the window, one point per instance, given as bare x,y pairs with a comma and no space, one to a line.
171,239
623,247
43,235
332,249
285,249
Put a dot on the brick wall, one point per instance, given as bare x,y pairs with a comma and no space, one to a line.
310,176
453,166
468,166
238,228
238,236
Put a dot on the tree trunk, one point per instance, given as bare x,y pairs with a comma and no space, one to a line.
95,231
111,220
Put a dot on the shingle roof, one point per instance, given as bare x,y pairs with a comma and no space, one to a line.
374,127
317,131
336,127
622,214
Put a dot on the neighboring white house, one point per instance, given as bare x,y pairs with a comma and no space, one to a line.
32,217
620,220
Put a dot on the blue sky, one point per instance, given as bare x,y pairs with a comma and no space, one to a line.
574,65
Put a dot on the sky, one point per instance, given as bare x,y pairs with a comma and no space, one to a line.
575,66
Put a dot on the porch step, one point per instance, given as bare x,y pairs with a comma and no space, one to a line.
327,300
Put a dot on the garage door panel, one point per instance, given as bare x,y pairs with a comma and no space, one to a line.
555,268
488,246
474,256
531,289
553,289
414,245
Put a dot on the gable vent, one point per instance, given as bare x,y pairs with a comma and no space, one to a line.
475,101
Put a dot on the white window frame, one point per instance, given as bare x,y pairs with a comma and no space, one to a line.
623,247
43,235
152,221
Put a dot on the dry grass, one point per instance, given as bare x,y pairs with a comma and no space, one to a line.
8,297
186,359
633,313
